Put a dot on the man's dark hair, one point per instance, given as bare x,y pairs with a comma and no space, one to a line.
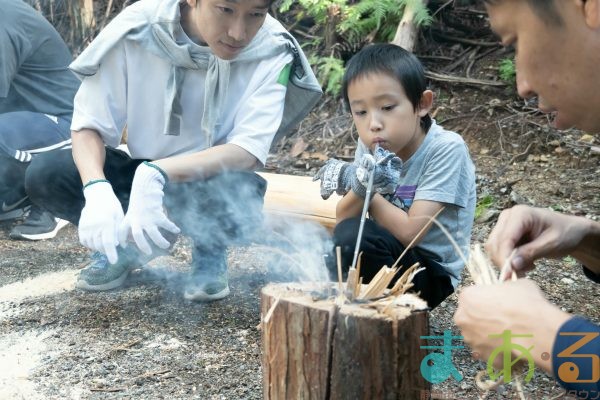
392,60
545,8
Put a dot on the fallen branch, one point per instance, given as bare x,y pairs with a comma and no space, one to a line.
126,346
459,79
152,373
110,390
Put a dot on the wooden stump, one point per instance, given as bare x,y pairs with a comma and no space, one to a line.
315,349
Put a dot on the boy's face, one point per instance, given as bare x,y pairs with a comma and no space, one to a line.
557,62
383,114
226,26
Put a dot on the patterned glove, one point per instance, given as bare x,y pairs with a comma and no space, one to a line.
336,176
385,165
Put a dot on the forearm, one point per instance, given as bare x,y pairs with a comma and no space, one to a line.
404,226
89,154
588,251
392,218
349,206
207,163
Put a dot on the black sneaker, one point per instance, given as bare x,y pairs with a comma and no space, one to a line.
38,225
14,209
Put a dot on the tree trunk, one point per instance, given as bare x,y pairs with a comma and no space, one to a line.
331,36
406,34
319,350
88,20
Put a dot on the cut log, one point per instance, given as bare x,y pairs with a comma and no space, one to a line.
317,349
298,197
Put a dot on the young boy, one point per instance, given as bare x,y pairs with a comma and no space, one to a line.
202,86
419,169
36,103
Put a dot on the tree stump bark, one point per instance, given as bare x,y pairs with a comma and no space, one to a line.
315,349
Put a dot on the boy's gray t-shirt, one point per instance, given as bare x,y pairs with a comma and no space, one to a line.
441,170
33,63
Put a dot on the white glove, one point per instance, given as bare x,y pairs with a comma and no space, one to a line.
145,214
100,220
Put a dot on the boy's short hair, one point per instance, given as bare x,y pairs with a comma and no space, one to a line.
392,60
546,9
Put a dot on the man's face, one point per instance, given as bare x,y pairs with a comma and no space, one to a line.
560,63
226,26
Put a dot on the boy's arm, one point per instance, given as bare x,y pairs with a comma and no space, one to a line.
207,163
403,225
349,206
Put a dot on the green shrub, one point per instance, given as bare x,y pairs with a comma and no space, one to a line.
507,70
483,204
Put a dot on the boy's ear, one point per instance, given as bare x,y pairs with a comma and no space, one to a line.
591,10
426,103
192,3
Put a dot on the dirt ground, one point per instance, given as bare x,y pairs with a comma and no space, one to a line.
144,341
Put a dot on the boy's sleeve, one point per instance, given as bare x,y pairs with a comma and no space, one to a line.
101,101
13,47
444,178
259,118
576,358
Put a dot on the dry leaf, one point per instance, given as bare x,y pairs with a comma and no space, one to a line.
299,146
587,138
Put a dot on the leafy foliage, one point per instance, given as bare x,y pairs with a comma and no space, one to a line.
507,70
380,17
355,23
330,71
483,204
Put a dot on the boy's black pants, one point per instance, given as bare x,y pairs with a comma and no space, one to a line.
380,248
215,213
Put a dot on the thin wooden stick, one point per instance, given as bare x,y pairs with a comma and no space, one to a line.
507,268
271,310
338,253
379,283
483,273
405,281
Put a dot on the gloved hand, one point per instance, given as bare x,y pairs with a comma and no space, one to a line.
100,219
145,214
385,165
336,176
